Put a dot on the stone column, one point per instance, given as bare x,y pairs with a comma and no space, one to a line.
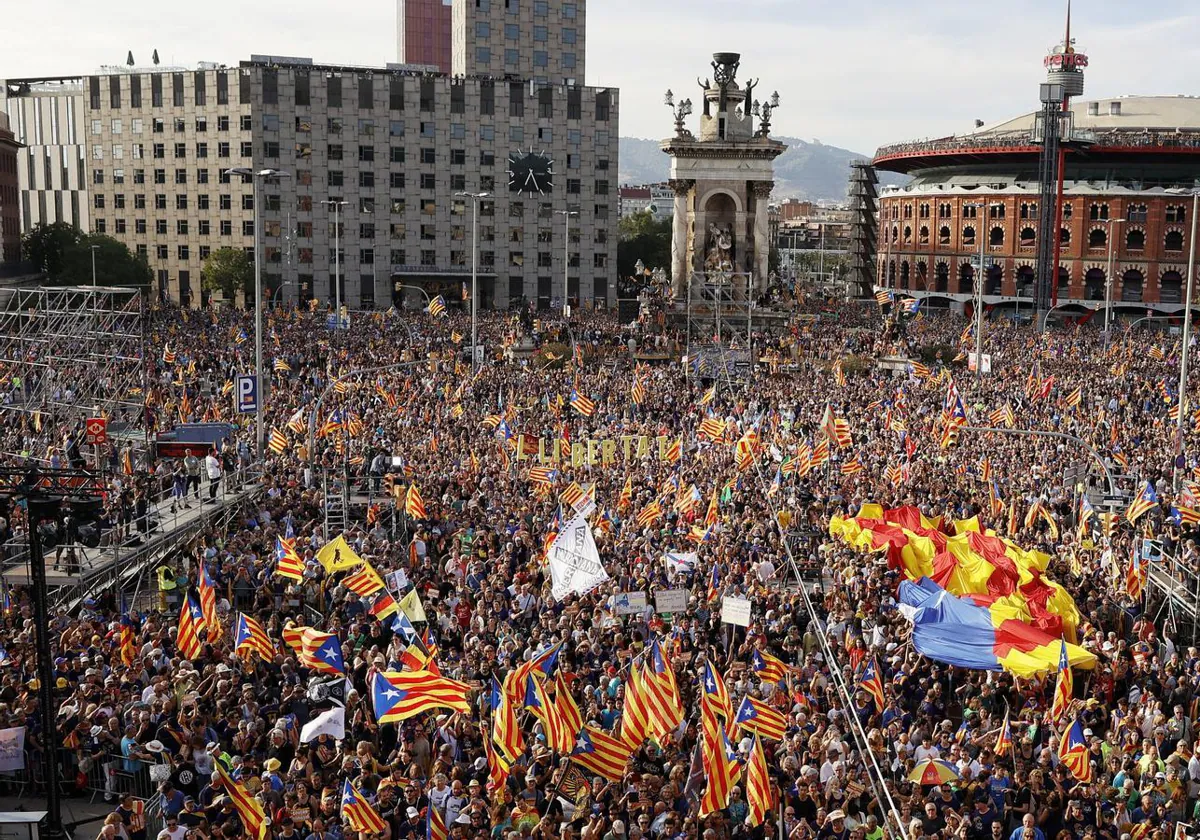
679,235
762,244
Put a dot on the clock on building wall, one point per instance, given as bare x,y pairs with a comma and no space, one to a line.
530,172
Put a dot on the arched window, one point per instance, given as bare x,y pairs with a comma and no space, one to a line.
944,235
1136,213
1098,238
904,274
996,236
1025,281
1064,236
1170,287
993,280
1173,241
1131,286
966,278
968,235
908,234
1093,284
1135,240
1097,212
1028,237
923,235
942,277
1175,214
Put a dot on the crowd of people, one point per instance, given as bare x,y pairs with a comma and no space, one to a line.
177,741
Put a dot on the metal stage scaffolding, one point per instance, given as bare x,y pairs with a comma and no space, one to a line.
77,351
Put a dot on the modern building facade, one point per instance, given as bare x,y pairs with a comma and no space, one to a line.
388,147
423,33
10,197
1128,178
539,40
46,117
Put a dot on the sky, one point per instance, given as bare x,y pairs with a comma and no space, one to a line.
851,73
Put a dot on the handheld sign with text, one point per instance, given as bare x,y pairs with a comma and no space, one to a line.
670,601
629,603
735,611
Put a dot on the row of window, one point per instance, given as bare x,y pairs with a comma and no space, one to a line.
1097,211
512,32
541,8
1135,239
116,125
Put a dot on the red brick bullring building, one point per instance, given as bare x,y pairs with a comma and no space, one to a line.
1126,158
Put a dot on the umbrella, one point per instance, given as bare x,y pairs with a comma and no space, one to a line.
933,771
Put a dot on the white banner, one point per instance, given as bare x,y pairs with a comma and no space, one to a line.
575,561
735,611
12,749
670,601
330,722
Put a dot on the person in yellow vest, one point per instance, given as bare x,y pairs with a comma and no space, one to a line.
166,583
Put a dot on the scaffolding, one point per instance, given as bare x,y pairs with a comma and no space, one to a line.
74,351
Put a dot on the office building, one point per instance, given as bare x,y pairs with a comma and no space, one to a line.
388,147
423,33
10,197
44,116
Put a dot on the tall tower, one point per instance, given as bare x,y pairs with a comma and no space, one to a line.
722,182
423,33
1053,130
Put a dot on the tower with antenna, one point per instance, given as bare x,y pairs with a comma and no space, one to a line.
1053,131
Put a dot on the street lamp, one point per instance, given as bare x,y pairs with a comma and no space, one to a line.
337,204
979,285
475,199
1187,333
1108,284
567,214
256,177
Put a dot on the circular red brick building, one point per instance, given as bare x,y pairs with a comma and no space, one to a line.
1130,166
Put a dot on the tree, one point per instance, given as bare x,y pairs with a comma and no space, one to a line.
46,245
643,237
226,271
115,264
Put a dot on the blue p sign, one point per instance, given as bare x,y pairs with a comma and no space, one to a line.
246,394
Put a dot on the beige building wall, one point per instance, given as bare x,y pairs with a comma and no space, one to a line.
157,143
543,40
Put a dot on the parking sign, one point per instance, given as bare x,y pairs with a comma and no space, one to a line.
245,394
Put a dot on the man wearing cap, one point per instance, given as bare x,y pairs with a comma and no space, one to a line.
835,827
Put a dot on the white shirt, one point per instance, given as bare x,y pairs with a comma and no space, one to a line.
213,465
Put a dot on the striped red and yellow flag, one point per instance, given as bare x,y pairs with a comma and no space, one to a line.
277,442
249,809
249,637
601,753
758,785
191,622
399,695
414,505
358,813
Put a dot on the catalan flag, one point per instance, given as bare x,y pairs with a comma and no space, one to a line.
756,716
414,505
1145,500
675,451
582,404
1135,578
722,768
716,709
281,365
650,514
399,695
437,306
297,422
435,824
320,652
506,730
1073,752
1004,738
127,637
711,428
768,668
191,622
287,562
364,582
708,396
872,684
883,297
250,637
637,393
358,813
168,355
538,703
601,753
249,809
1074,398
208,602
542,475
277,442
852,467
652,704
625,500
1064,686
758,785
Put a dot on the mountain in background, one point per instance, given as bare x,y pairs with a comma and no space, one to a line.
806,170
